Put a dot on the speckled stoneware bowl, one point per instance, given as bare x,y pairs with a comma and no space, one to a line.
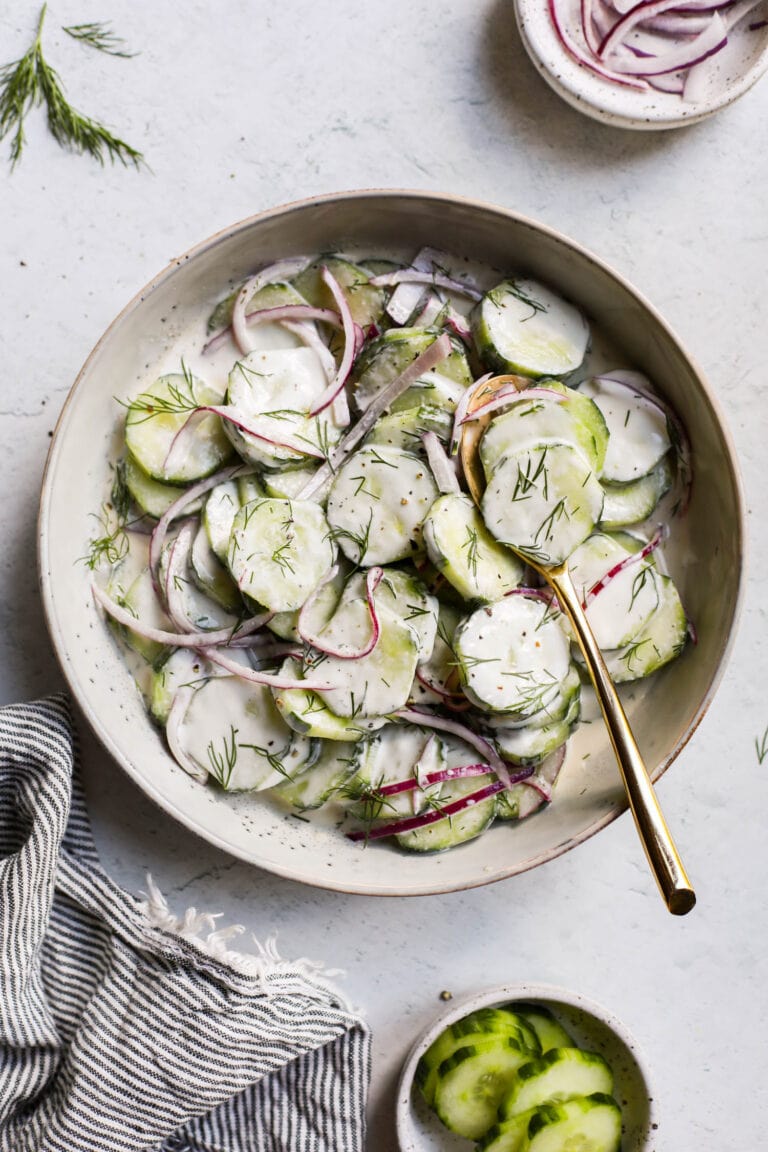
592,1028
727,75
704,552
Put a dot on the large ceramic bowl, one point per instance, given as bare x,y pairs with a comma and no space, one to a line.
591,1027
704,556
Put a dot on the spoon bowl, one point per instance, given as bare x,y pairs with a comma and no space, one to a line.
652,828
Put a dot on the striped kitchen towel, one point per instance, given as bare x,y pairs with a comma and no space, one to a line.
121,1028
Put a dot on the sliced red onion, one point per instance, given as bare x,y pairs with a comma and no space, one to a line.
173,724
442,724
461,411
413,783
678,23
457,700
431,306
583,56
282,270
176,569
435,279
436,352
673,83
588,27
506,396
200,640
430,816
546,595
233,416
285,683
350,343
711,40
343,652
442,468
459,325
187,497
626,562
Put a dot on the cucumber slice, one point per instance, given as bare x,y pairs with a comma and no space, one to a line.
522,800
553,712
182,668
459,828
398,752
270,296
638,432
531,745
307,713
532,661
210,575
591,1123
626,504
234,732
388,356
477,1025
462,548
549,1031
576,420
473,1081
203,611
249,488
661,640
151,496
279,551
560,1073
405,429
287,485
508,1136
273,391
141,600
219,513
521,326
158,416
377,504
366,301
543,501
625,605
334,768
406,596
378,683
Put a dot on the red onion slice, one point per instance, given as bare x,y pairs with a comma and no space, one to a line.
711,40
627,562
431,816
200,640
442,468
286,683
177,560
350,343
431,356
442,724
435,279
582,55
173,724
461,412
372,580
506,396
282,270
463,772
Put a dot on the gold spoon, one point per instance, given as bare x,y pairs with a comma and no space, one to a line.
654,834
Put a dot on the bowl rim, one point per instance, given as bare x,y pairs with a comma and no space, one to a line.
508,993
145,782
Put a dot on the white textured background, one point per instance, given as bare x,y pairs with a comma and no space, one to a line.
240,106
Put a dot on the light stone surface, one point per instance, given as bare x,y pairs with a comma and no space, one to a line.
239,107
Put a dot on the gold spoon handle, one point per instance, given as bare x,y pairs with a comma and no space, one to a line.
656,839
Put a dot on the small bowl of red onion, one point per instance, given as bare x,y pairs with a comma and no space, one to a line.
647,64
587,1026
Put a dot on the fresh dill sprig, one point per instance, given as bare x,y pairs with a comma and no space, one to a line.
112,544
181,398
470,546
31,82
761,746
360,539
99,36
223,762
274,759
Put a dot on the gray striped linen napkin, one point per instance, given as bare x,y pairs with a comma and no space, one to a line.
120,1027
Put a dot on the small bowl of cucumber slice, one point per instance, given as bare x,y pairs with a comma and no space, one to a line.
526,1068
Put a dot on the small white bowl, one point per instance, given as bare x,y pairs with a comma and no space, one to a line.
730,73
592,1027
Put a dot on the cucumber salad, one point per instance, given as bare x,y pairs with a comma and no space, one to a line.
313,606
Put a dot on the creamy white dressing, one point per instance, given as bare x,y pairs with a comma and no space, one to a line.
638,430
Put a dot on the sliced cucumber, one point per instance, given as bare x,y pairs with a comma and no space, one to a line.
507,1136
288,484
405,429
639,436
204,612
151,496
559,1074
462,548
543,501
314,786
521,326
388,356
221,507
141,600
211,576
398,752
378,683
405,595
279,551
272,391
531,662
476,1025
182,668
574,420
377,504
158,416
549,1031
522,800
554,711
270,296
459,828
472,1082
591,1123
307,712
532,744
234,732
661,640
365,300
626,603
626,504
